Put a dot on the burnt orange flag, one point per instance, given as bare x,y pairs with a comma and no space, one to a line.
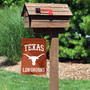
33,56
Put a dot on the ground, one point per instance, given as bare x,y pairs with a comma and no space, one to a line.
66,70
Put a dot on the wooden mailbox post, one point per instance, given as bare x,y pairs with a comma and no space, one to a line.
48,19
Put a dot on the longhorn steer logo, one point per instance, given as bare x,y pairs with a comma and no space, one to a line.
34,58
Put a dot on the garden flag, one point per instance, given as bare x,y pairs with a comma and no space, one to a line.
33,56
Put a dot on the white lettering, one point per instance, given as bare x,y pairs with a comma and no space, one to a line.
35,47
33,69
25,47
42,47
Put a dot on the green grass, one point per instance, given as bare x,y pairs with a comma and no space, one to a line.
14,81
11,32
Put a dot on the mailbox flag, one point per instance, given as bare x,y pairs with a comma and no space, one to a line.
33,56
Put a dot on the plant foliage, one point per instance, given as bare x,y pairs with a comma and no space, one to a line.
11,32
74,44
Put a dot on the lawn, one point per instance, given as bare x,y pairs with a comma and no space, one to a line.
15,81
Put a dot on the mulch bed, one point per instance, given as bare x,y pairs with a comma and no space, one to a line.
67,70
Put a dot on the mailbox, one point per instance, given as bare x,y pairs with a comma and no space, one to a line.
46,18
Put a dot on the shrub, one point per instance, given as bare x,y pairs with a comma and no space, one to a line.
11,31
11,3
73,44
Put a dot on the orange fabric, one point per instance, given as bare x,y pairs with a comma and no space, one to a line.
33,56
